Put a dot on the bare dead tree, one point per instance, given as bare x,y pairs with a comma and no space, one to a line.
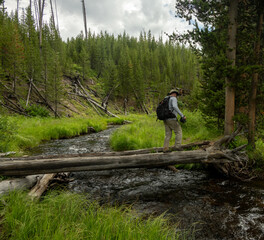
105,100
3,8
36,12
84,19
57,15
52,13
41,5
17,9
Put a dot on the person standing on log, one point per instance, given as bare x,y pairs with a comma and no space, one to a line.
172,124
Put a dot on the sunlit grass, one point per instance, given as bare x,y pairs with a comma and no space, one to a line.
257,155
71,216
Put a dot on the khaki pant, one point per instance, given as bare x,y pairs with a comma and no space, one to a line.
172,125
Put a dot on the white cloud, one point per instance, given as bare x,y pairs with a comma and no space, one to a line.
113,16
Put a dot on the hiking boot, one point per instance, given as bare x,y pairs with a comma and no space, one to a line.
172,168
166,150
177,147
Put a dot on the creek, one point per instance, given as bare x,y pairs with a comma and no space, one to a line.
211,206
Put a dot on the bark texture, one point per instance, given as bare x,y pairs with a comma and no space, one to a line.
231,56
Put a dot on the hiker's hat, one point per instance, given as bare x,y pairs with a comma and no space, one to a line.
173,91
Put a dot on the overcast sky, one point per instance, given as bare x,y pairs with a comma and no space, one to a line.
113,16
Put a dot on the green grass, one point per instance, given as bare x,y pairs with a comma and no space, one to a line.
257,156
146,132
30,132
69,216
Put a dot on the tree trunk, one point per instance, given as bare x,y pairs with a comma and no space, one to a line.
41,11
254,82
52,14
231,55
17,13
125,106
29,92
93,102
20,183
84,19
41,186
72,164
55,95
201,145
14,80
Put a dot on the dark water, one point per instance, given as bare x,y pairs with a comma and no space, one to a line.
216,208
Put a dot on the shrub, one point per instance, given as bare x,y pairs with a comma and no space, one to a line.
35,110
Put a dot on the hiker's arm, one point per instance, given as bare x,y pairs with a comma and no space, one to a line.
175,107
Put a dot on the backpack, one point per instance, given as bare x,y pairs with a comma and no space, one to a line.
163,111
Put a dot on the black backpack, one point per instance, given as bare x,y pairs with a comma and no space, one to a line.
163,111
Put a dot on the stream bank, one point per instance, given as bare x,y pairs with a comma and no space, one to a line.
217,208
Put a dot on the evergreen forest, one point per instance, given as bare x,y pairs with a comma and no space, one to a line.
39,70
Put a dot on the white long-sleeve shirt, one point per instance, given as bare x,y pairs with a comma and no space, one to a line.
173,106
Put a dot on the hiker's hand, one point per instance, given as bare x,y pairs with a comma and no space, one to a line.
183,119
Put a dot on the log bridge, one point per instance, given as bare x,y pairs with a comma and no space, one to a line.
147,158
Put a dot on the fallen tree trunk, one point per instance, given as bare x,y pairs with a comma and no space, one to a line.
142,105
106,98
12,109
13,104
41,186
19,183
230,162
43,98
64,105
29,92
91,163
123,153
92,101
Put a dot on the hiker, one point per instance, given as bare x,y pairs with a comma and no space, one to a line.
172,122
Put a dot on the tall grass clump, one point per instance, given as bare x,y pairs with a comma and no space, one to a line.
7,131
71,216
147,132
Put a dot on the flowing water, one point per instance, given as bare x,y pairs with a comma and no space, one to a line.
212,206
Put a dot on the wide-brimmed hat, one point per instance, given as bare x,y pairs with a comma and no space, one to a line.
173,91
